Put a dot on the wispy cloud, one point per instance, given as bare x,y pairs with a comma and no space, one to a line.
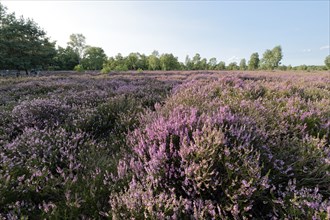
233,59
307,50
324,47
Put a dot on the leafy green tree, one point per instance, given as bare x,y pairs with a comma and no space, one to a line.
66,58
232,66
153,61
277,56
78,43
271,58
266,62
169,62
93,58
142,62
302,67
188,63
23,44
117,63
197,62
212,63
132,61
242,64
221,65
119,59
327,62
254,61
203,64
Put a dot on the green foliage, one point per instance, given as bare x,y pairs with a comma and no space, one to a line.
23,44
188,63
221,65
153,61
132,60
79,68
254,61
212,64
242,64
78,43
66,58
271,58
105,69
327,62
169,62
198,63
121,68
232,66
93,59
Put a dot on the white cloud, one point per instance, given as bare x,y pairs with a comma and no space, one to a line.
307,50
233,59
324,47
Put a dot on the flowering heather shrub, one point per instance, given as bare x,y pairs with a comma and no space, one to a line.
88,98
128,146
112,120
149,91
51,173
205,165
292,131
39,113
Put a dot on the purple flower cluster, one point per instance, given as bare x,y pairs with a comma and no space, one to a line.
39,113
205,165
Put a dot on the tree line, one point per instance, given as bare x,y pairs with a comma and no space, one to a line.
25,46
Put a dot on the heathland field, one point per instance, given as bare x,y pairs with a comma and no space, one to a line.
165,145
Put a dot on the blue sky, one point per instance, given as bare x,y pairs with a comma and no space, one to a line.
227,30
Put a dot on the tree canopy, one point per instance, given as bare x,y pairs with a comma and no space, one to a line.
271,58
78,44
254,61
327,62
93,58
23,44
66,58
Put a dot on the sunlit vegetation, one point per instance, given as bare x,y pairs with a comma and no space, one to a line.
165,145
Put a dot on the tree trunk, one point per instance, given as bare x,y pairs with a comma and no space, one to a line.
26,72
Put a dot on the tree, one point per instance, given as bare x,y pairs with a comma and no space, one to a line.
188,63
66,58
277,56
271,58
119,60
93,58
232,66
221,65
266,62
327,62
254,61
153,62
78,43
132,61
203,64
142,62
197,62
242,64
169,62
212,63
23,44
